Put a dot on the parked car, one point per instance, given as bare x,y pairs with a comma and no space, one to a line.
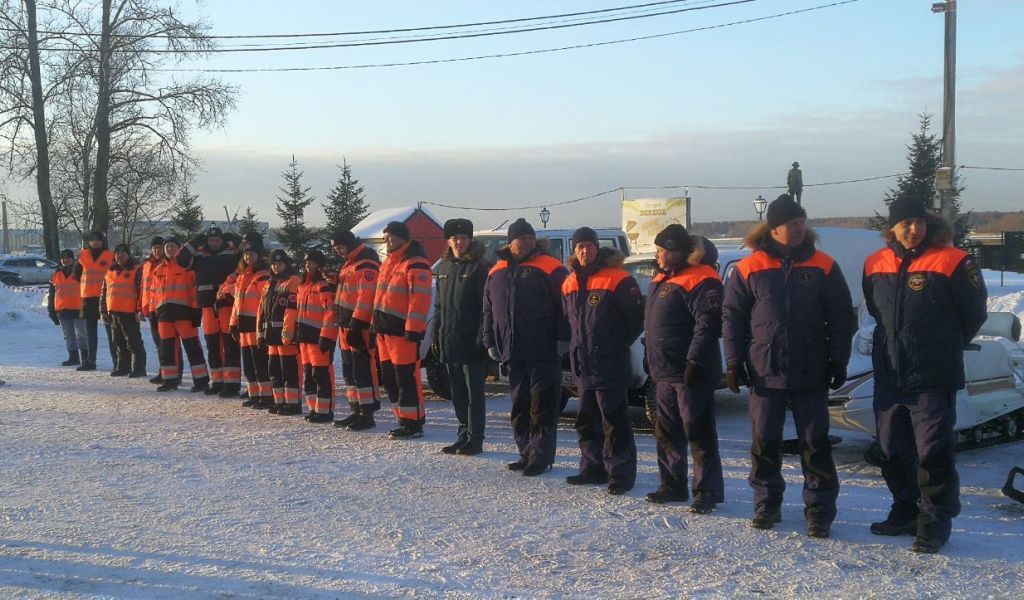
34,270
849,247
10,278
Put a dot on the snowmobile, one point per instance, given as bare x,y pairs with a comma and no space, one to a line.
989,410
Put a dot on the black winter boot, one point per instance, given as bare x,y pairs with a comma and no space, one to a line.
230,390
363,423
214,389
72,360
156,380
765,518
471,448
87,365
664,495
168,386
200,385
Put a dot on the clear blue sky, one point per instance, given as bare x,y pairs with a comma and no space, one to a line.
837,89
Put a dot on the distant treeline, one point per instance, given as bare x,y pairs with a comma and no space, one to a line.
981,222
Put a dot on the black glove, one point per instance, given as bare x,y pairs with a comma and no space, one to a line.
354,338
836,375
692,374
326,344
197,317
105,317
735,376
233,331
53,317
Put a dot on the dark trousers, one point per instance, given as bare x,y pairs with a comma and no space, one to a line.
467,387
256,366
284,377
91,312
916,434
687,415
810,413
605,433
155,332
129,349
536,397
359,369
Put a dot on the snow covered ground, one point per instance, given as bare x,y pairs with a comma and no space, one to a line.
108,490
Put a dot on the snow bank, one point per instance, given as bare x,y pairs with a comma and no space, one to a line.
21,305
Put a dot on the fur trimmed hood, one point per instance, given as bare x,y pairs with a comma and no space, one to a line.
939,231
759,236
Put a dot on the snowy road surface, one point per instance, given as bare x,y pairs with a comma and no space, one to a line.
108,490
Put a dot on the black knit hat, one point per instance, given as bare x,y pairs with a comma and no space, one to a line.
453,227
398,229
97,235
67,254
784,209
674,237
520,228
255,243
344,237
123,248
583,234
280,255
906,207
215,232
157,241
316,256
172,240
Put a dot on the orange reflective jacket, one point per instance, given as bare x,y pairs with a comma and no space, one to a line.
93,271
357,286
315,311
121,288
249,287
67,293
147,305
404,292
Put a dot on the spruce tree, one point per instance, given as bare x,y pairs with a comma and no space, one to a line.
250,223
188,214
924,157
346,206
291,207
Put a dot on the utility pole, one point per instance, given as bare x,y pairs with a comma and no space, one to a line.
945,179
6,245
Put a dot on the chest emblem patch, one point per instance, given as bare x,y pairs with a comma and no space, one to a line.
917,282
663,292
524,272
594,299
806,277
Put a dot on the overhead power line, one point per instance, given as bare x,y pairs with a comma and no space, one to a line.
659,187
510,54
993,168
380,31
414,40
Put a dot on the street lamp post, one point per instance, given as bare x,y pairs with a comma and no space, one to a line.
545,214
759,205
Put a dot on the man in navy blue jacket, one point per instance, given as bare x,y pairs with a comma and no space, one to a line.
523,323
604,307
683,321
928,300
788,322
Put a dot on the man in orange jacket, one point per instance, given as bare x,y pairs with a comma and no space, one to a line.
400,308
148,302
275,329
253,277
316,334
120,301
65,307
353,311
93,263
179,316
